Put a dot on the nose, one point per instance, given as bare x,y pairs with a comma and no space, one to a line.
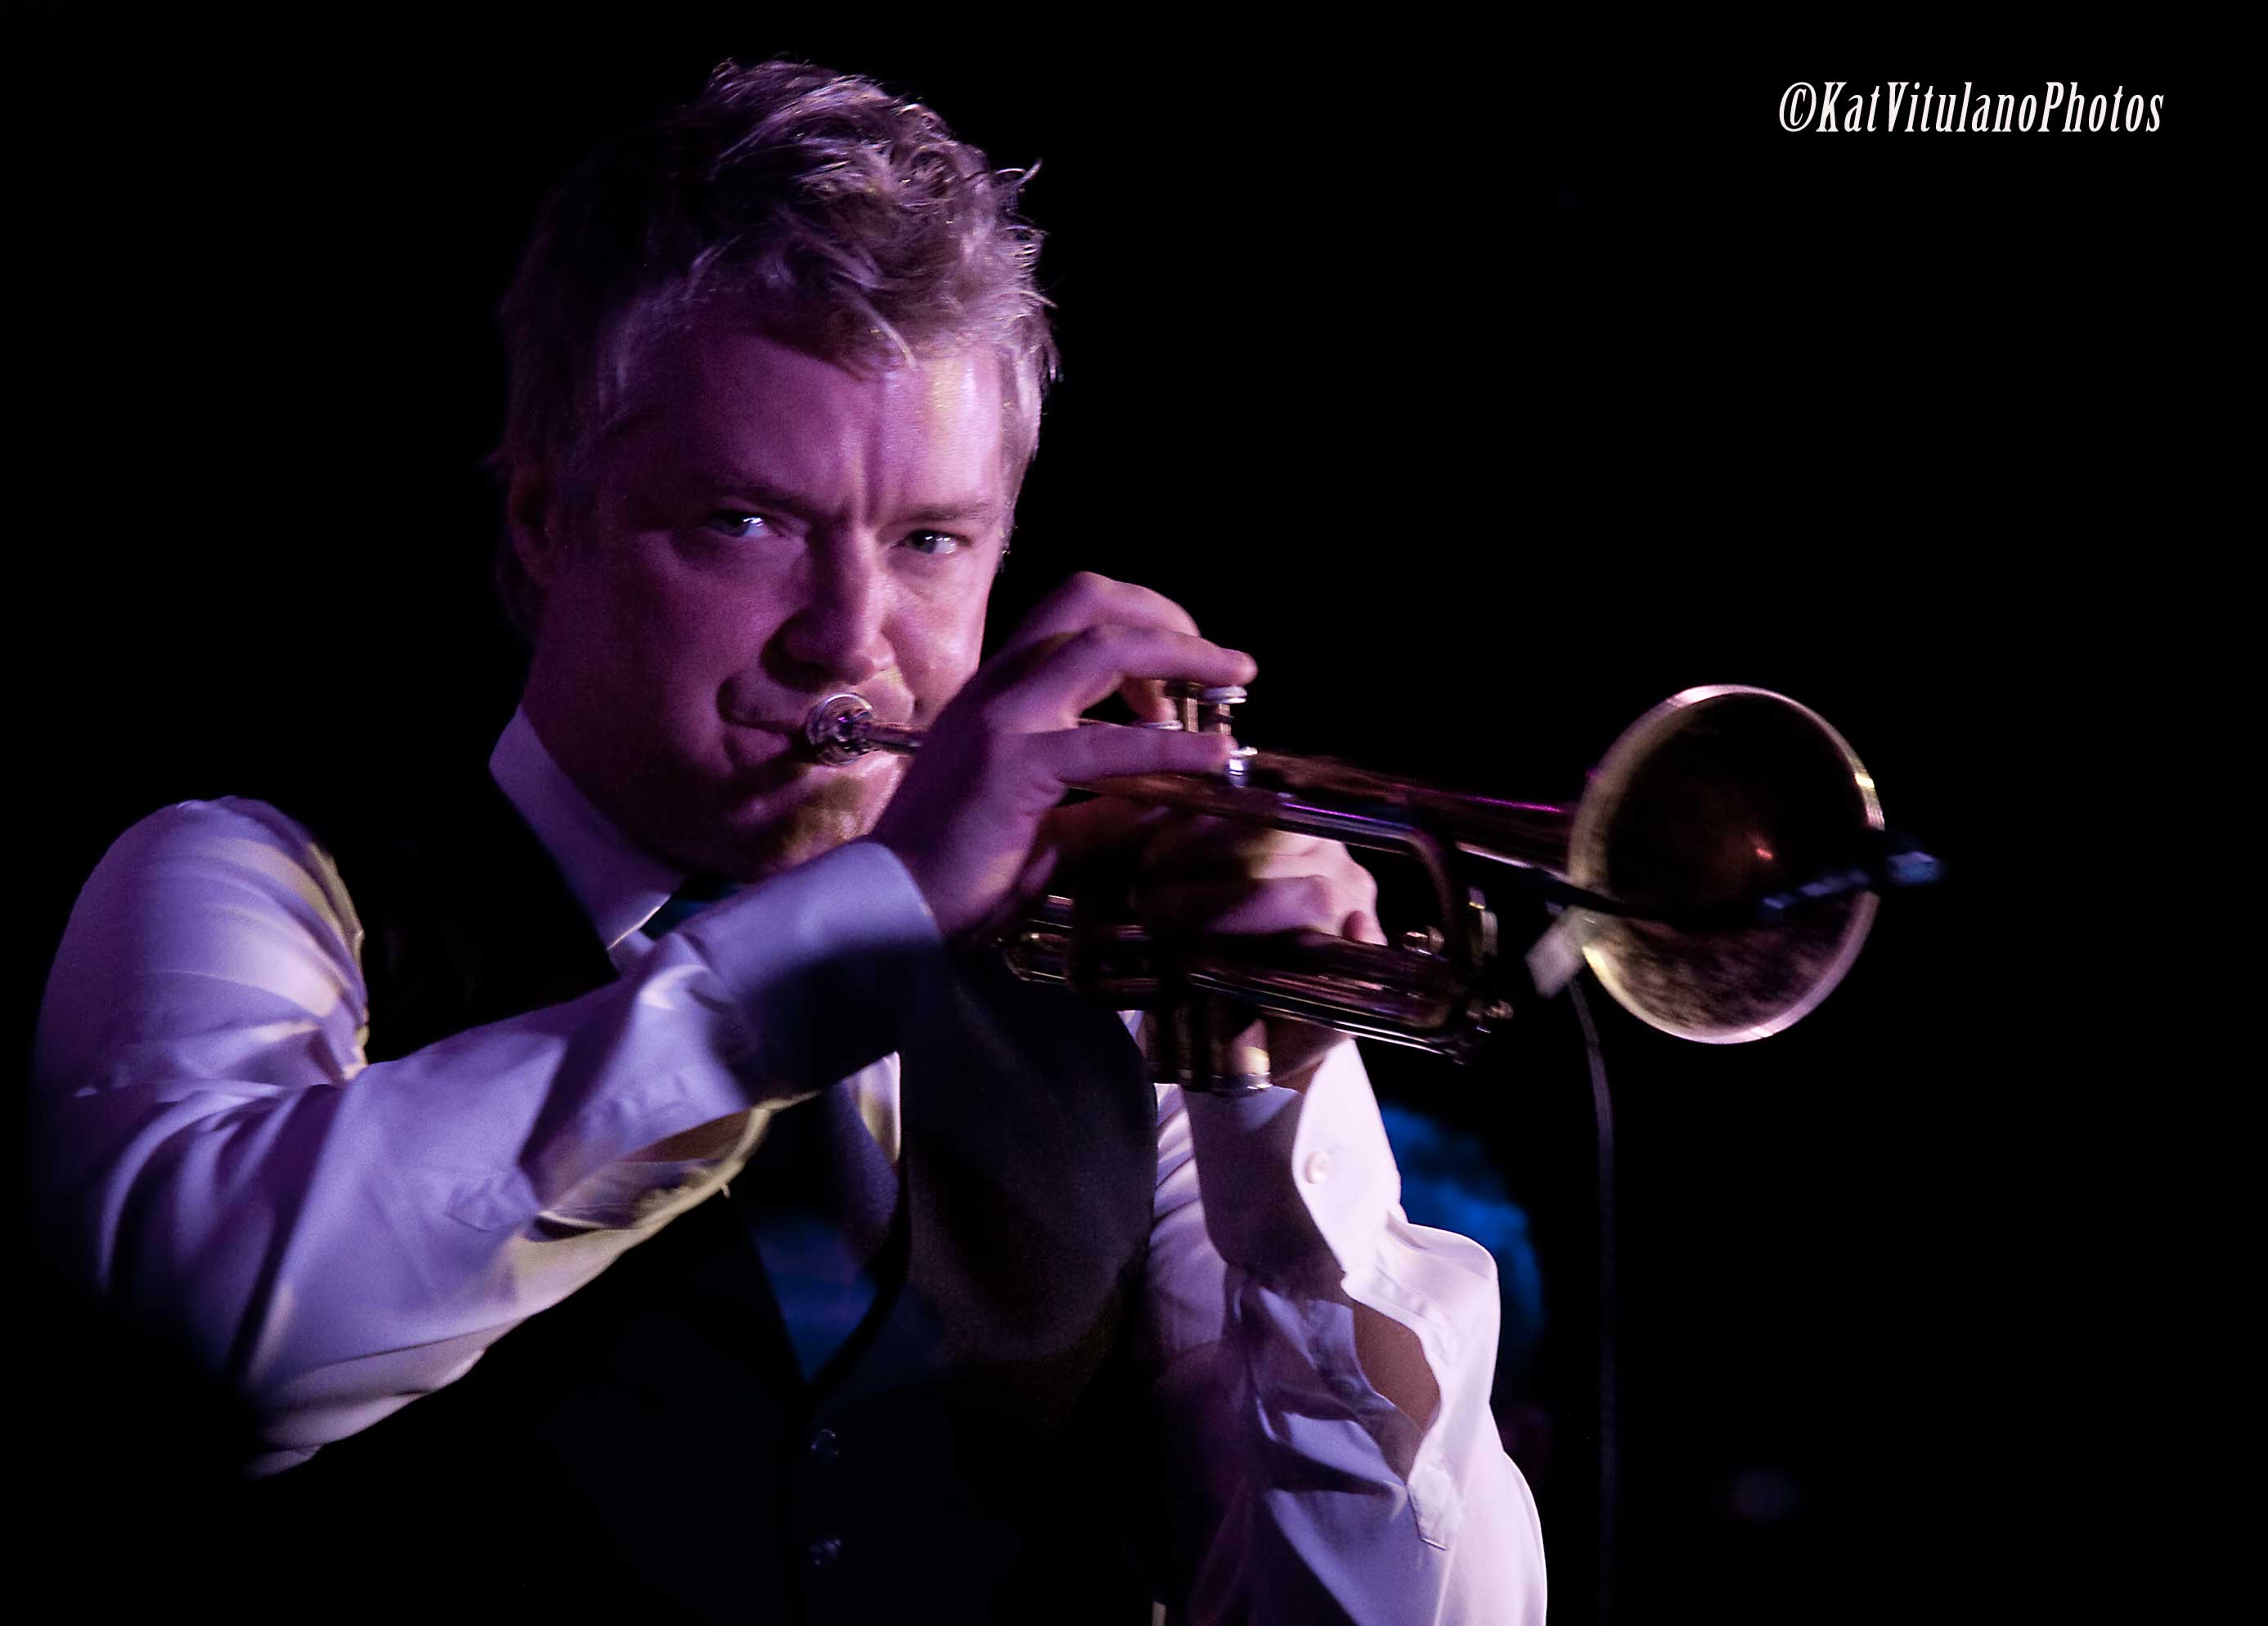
836,634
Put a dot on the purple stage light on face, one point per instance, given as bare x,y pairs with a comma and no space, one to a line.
772,528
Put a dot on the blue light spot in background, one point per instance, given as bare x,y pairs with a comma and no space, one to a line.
1447,1181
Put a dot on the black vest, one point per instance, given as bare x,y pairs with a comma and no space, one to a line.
648,1450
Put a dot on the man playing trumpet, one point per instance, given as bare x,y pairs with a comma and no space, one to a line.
627,1183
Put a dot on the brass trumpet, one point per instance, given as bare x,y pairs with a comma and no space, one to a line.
1718,877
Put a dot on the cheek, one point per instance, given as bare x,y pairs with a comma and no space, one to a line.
942,648
683,631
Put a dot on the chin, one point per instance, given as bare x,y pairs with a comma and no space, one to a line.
769,837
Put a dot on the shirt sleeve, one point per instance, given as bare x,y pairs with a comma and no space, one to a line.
1303,1494
331,1239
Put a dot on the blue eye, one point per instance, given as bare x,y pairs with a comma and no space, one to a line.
934,544
737,524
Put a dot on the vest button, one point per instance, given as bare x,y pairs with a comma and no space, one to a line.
824,1447
824,1554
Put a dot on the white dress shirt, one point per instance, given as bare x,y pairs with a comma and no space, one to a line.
334,1239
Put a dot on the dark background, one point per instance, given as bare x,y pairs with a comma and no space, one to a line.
1490,386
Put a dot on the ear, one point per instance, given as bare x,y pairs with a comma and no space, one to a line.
532,514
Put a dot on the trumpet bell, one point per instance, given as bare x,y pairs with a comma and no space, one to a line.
1718,797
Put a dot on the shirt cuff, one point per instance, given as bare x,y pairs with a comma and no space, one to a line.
834,963
1297,1185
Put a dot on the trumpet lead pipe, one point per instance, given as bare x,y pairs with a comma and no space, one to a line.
842,728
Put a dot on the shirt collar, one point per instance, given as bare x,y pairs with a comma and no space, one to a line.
618,883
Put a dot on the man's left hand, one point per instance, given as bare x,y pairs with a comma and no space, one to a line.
1193,875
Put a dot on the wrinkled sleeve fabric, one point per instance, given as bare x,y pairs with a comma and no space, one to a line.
332,1240
1300,1493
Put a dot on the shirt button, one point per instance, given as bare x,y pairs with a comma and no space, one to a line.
824,1447
1317,1169
825,1553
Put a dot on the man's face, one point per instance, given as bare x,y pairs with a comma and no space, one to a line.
768,530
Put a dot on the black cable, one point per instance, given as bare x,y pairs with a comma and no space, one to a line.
1603,1117
1895,861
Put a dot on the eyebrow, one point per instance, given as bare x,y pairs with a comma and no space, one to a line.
964,511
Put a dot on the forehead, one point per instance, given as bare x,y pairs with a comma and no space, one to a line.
724,400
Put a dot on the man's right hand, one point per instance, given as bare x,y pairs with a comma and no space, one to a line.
967,820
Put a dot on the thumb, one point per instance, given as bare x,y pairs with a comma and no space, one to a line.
1362,926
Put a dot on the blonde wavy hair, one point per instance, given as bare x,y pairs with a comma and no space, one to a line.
813,206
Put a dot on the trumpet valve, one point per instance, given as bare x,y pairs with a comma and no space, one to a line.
1207,709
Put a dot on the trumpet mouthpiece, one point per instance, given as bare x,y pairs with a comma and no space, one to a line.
835,730
842,729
